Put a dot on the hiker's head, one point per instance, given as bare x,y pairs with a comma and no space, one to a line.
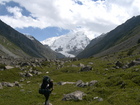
46,79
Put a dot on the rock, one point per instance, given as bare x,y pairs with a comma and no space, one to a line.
81,65
90,63
138,59
136,62
77,95
47,72
4,83
86,68
8,84
34,72
22,90
74,65
22,74
38,73
9,67
100,99
92,83
28,75
106,69
119,64
24,64
63,83
28,82
125,67
45,104
131,64
22,79
17,84
80,83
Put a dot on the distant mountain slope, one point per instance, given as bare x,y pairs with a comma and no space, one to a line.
69,45
118,39
15,44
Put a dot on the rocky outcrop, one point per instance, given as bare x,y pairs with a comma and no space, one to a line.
86,68
9,84
119,64
80,83
134,62
30,73
76,96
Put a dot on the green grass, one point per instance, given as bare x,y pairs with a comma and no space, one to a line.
115,86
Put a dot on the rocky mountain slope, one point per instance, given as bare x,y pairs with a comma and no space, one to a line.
121,38
17,45
69,45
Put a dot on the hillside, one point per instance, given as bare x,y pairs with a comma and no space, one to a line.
17,45
121,38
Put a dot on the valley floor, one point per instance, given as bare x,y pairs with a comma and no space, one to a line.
116,84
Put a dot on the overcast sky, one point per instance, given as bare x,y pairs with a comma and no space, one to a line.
48,18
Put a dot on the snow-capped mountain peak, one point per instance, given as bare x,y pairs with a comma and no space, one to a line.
69,45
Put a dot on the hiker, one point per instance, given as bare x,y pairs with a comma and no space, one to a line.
46,88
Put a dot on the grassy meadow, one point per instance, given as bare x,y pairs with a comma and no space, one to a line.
116,86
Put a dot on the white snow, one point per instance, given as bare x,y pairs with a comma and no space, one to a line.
30,37
68,43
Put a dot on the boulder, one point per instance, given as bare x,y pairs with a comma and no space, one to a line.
133,63
17,84
90,63
9,67
25,64
86,68
81,65
80,83
74,65
22,74
8,84
22,79
98,99
92,83
38,73
76,96
28,75
119,64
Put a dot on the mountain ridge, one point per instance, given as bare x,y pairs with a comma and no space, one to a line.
113,38
21,45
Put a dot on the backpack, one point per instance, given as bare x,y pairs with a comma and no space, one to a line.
43,89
